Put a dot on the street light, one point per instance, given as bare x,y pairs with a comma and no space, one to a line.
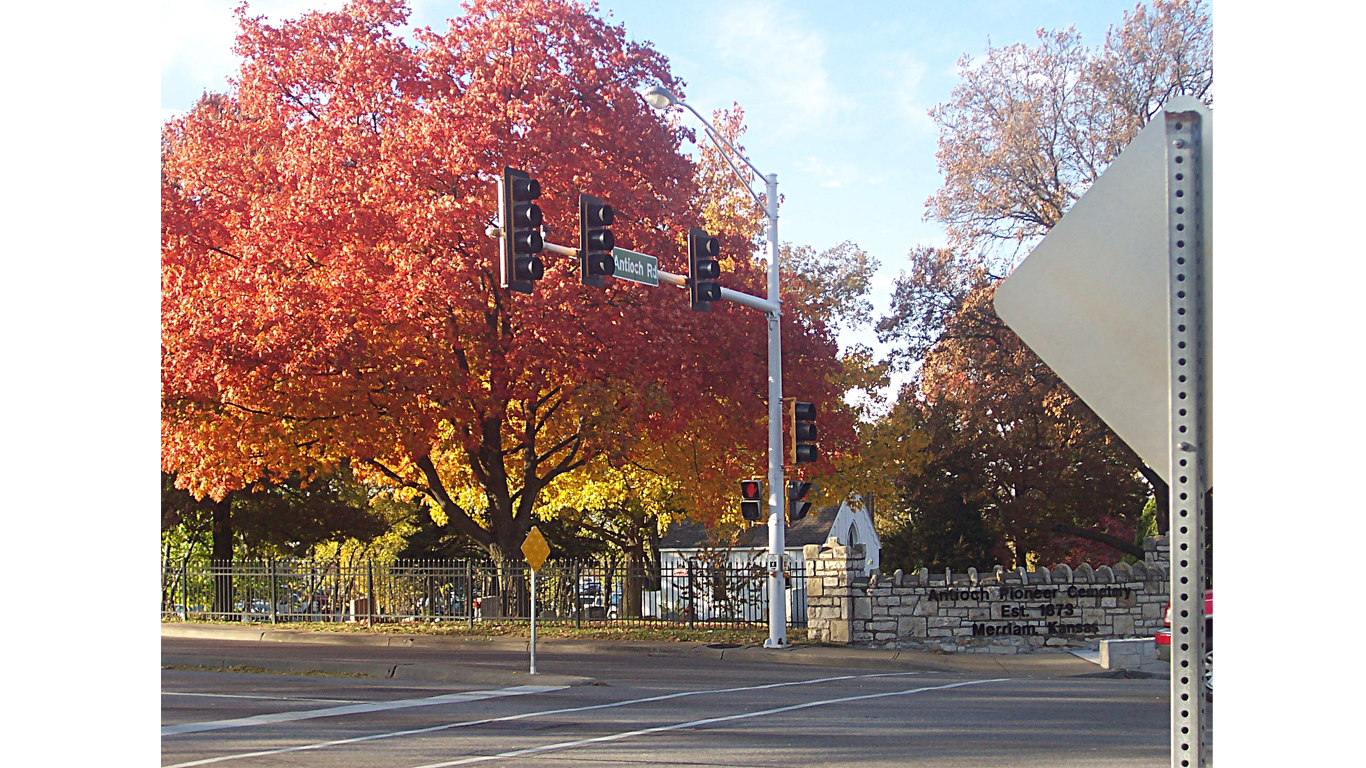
662,98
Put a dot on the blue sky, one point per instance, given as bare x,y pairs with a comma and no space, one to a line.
835,94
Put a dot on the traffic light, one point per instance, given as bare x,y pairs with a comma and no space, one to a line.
801,431
752,499
595,241
796,508
521,221
703,269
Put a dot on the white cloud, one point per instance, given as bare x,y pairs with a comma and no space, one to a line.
829,174
883,281
197,38
783,62
905,72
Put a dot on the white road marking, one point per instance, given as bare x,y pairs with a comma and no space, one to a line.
696,723
353,709
525,715
269,698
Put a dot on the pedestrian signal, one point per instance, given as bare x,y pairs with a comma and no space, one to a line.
752,500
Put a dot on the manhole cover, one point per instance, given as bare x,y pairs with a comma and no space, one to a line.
723,646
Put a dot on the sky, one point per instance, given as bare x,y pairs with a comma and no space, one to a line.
836,95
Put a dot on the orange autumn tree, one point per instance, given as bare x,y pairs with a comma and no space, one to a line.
329,292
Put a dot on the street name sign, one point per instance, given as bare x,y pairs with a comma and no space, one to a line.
637,267
1092,299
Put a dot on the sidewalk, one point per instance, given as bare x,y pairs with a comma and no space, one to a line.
1023,665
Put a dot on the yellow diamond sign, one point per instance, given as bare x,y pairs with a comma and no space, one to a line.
535,549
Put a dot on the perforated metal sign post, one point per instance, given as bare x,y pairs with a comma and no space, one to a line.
536,550
1189,443
1117,300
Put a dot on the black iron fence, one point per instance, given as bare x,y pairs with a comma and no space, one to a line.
689,592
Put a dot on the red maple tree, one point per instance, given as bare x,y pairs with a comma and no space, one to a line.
329,291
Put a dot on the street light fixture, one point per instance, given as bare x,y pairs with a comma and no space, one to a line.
659,97
662,98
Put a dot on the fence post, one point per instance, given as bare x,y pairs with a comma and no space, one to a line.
270,584
246,582
185,588
369,592
578,598
692,598
469,591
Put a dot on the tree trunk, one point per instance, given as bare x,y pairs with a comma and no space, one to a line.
510,580
1161,494
221,558
634,584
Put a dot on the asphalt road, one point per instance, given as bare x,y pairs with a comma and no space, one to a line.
654,710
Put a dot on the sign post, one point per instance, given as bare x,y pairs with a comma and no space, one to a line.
1117,300
536,550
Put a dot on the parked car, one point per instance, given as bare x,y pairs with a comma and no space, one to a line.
595,604
1163,640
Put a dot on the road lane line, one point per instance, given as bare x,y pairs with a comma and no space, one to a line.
353,709
523,716
696,723
269,698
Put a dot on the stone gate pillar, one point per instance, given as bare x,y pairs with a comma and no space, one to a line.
831,570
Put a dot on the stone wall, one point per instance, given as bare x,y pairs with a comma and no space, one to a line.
1003,611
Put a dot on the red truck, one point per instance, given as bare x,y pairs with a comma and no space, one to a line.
1164,641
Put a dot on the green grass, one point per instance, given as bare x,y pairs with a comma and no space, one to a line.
743,635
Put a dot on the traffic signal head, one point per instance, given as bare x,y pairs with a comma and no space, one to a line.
521,222
703,269
800,419
595,241
752,499
796,507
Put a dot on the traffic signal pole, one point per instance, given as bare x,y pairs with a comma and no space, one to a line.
660,97
771,307
777,533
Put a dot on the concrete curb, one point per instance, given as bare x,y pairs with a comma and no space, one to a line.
427,672
1151,668
519,644
1021,665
